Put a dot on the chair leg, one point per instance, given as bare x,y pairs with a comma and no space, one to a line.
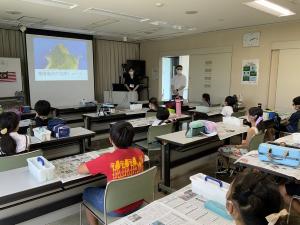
80,213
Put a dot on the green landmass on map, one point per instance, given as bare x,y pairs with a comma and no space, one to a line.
60,58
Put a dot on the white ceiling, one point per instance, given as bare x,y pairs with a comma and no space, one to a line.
212,15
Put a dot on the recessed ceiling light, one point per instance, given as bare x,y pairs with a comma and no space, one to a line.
191,12
270,7
55,3
13,12
159,4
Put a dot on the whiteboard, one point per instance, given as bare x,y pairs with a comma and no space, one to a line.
288,79
209,73
13,66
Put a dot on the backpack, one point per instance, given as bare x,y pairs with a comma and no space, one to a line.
58,128
195,128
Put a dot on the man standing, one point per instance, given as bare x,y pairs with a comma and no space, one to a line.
178,83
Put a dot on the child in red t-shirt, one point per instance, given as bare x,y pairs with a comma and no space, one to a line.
124,161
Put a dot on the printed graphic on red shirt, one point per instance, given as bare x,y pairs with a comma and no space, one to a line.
127,167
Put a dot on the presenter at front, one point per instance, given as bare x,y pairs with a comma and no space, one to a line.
131,82
178,83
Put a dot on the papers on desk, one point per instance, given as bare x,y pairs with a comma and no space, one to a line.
226,131
251,159
142,122
180,208
288,140
66,168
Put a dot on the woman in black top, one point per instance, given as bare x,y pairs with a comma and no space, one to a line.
131,82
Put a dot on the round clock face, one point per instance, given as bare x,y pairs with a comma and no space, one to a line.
251,39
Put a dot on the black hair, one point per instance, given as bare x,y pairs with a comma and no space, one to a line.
230,101
162,113
154,102
206,97
121,134
42,107
256,196
258,112
178,66
296,101
9,121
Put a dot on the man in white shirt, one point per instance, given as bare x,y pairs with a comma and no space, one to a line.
178,83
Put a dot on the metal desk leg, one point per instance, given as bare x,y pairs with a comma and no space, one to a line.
166,169
87,125
82,146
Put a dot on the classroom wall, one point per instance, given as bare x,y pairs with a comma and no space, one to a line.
280,32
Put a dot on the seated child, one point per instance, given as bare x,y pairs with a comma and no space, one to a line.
162,117
287,191
227,110
11,142
206,100
153,105
255,118
42,108
121,137
291,125
253,198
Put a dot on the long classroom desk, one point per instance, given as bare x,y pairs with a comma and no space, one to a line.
103,122
23,198
178,142
214,114
57,147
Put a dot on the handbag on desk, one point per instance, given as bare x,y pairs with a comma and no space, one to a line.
195,128
279,154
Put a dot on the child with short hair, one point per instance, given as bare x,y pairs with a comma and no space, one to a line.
253,199
206,100
42,108
292,124
162,117
124,161
227,110
11,142
153,105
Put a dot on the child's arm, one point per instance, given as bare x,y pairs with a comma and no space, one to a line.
82,169
245,143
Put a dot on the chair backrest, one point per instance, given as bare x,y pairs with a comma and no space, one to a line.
151,114
256,141
17,161
239,114
154,131
123,192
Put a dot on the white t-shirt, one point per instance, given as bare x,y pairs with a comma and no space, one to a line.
227,111
22,141
179,81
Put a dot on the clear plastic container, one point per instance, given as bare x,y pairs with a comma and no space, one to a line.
41,168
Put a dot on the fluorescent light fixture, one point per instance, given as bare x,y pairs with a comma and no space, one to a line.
104,12
270,7
55,3
158,23
177,27
29,19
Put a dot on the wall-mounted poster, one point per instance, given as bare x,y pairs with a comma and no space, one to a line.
10,76
250,71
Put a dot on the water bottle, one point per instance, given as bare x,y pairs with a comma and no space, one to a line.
178,107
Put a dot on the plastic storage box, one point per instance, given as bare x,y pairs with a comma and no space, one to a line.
42,133
210,188
41,168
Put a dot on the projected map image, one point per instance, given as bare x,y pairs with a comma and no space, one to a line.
60,59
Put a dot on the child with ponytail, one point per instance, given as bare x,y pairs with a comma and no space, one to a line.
254,199
255,118
10,141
